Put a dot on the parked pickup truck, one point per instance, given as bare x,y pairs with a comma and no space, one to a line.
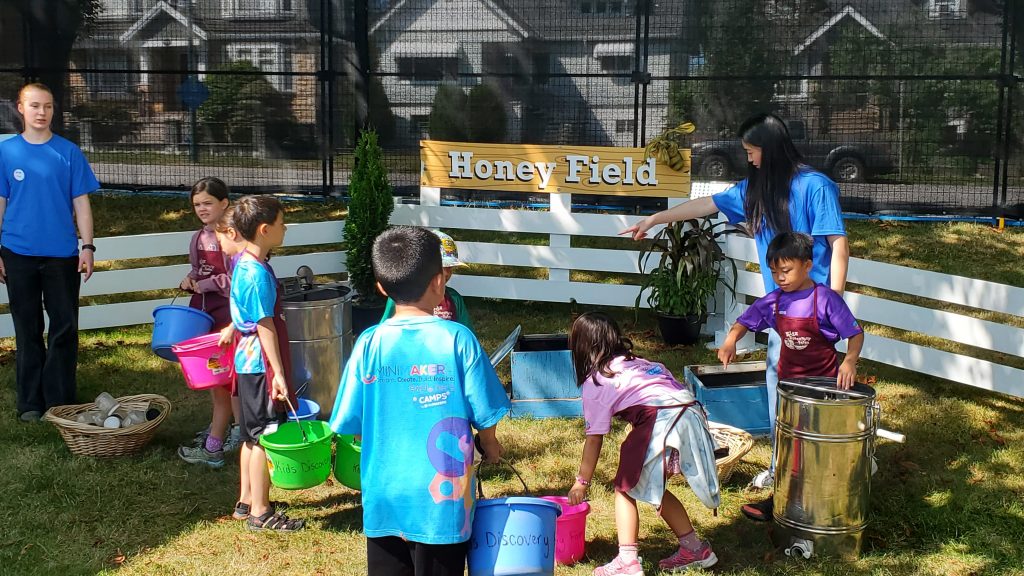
851,159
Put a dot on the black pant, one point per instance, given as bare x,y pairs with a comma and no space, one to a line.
45,375
392,556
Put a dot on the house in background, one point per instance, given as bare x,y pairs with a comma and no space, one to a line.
563,67
889,38
154,40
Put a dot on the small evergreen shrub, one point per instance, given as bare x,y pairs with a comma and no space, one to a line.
369,214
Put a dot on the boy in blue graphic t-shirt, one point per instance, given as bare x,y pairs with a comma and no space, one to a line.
415,388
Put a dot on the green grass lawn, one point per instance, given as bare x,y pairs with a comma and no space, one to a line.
949,501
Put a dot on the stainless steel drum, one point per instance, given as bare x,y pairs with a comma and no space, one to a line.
825,449
319,323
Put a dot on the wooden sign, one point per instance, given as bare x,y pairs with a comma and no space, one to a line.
550,169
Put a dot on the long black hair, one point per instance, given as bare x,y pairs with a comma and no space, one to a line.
767,201
595,340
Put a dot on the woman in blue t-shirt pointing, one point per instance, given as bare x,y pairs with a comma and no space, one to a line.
780,194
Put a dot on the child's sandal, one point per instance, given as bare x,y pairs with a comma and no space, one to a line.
242,509
274,521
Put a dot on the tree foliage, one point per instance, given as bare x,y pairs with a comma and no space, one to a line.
52,27
737,43
237,100
379,114
448,114
369,212
487,117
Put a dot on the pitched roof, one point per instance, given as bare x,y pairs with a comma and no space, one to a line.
554,20
906,22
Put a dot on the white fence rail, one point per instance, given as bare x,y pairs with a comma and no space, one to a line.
560,258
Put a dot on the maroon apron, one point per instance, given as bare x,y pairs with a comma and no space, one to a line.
283,348
805,351
634,448
211,263
446,309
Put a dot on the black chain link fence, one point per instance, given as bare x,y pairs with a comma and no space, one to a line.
911,105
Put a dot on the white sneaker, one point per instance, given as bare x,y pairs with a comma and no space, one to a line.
764,480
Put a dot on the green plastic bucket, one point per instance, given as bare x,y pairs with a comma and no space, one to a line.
294,464
347,453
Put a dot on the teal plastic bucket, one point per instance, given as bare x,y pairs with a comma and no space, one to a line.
514,535
295,464
174,324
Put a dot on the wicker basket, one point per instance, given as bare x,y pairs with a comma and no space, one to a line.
89,440
739,443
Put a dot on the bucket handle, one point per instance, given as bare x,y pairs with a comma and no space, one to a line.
305,439
479,483
828,389
178,293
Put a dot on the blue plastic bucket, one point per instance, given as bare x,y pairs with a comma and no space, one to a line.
174,324
306,409
513,535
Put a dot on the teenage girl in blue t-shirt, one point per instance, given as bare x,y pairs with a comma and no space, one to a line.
780,194
45,182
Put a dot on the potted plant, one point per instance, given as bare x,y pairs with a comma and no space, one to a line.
369,213
688,270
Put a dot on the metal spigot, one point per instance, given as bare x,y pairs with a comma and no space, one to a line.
305,273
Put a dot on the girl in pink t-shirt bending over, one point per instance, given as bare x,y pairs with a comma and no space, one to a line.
669,435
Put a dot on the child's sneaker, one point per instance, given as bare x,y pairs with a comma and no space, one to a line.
200,455
617,566
764,480
685,559
234,439
199,439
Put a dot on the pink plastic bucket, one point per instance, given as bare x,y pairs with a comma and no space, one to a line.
204,363
570,530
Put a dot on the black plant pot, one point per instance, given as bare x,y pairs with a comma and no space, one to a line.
364,316
680,329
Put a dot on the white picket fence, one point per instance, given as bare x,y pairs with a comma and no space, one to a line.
560,258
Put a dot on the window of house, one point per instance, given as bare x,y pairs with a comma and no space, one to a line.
622,126
944,9
271,58
610,7
427,69
616,63
121,8
112,82
419,124
695,64
791,89
257,8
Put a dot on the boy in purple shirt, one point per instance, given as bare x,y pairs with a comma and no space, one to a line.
809,317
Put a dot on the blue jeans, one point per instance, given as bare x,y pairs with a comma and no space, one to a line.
772,381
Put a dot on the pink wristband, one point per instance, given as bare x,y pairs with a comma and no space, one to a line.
582,481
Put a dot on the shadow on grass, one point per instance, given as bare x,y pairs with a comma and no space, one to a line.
68,514
346,511
947,502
